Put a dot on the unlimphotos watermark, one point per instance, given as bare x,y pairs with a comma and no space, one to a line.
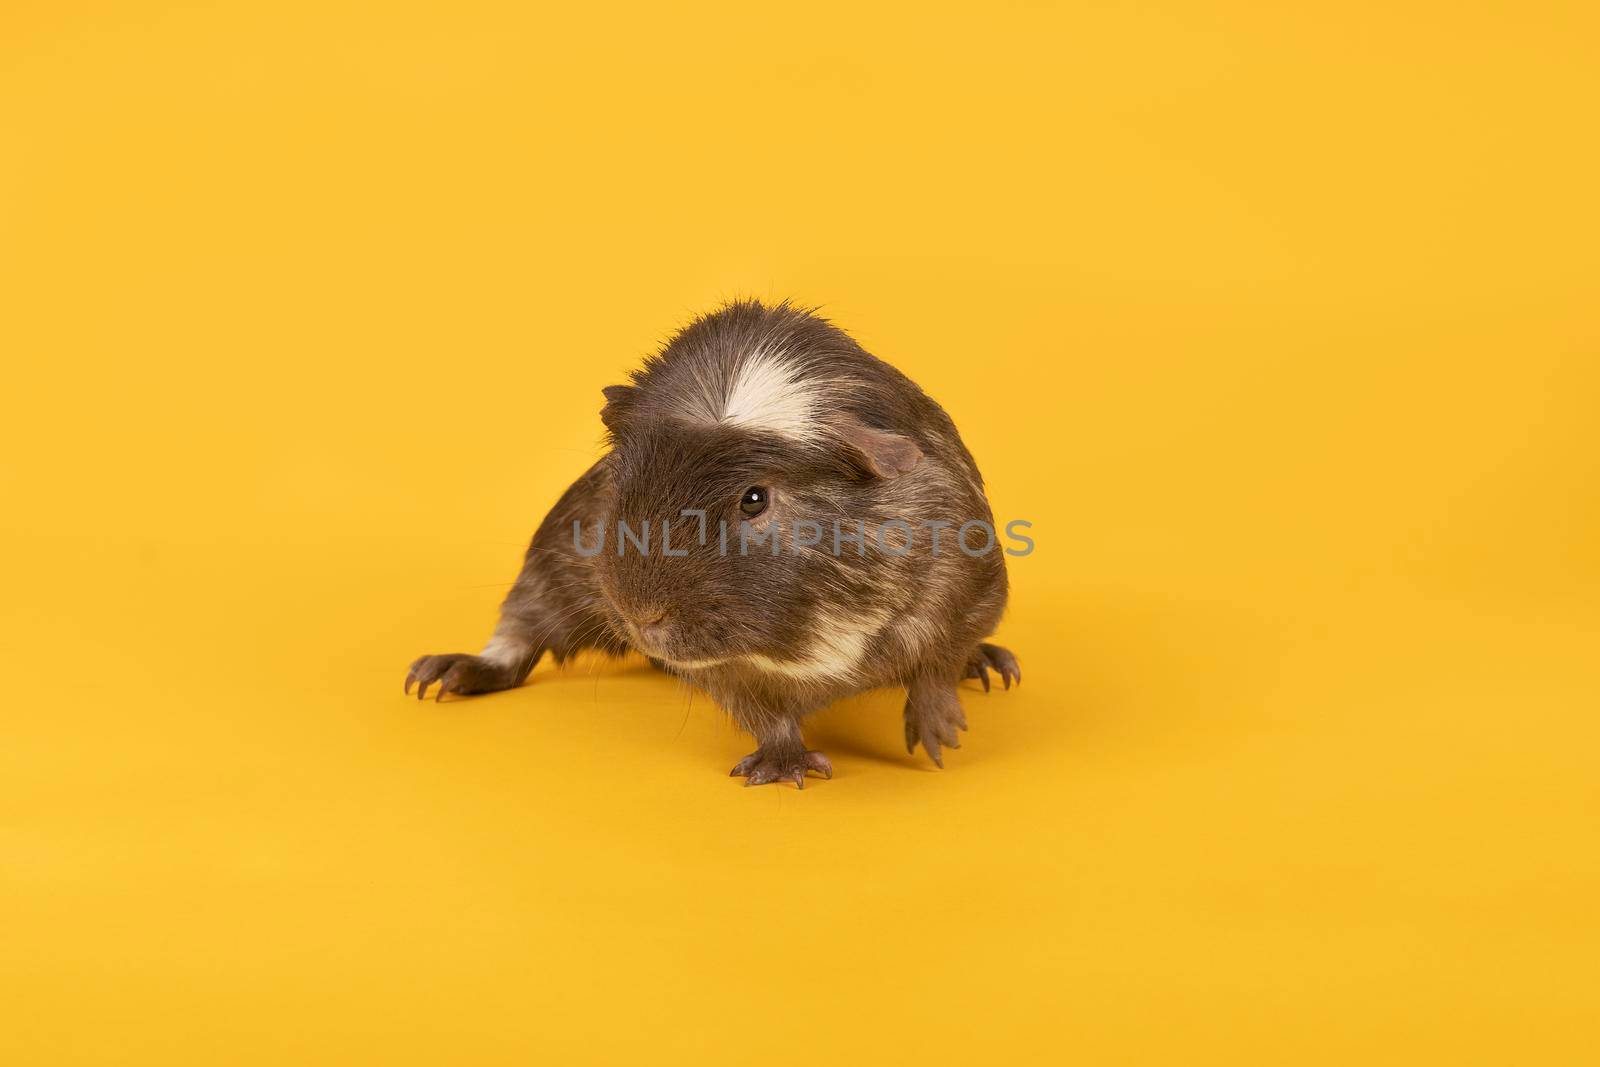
894,537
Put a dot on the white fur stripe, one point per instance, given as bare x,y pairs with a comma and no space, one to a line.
836,651
768,394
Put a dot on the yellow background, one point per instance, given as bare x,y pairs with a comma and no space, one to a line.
1278,321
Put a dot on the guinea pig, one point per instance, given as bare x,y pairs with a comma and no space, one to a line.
782,520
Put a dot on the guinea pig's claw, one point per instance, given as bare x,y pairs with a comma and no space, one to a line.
934,719
987,656
459,674
930,743
763,767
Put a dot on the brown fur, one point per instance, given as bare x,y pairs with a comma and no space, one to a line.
880,451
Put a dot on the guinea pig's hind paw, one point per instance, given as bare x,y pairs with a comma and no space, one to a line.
985,657
933,720
763,768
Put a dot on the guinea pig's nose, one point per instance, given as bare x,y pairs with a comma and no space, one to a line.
652,625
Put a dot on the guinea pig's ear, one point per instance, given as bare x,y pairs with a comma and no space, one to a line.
888,455
619,401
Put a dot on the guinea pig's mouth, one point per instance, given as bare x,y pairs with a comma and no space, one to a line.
691,664
661,646
678,659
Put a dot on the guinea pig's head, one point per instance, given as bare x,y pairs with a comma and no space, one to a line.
721,542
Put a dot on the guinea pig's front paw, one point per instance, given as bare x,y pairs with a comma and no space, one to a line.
933,717
457,672
764,766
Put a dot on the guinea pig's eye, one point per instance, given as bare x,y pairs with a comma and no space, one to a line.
754,501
